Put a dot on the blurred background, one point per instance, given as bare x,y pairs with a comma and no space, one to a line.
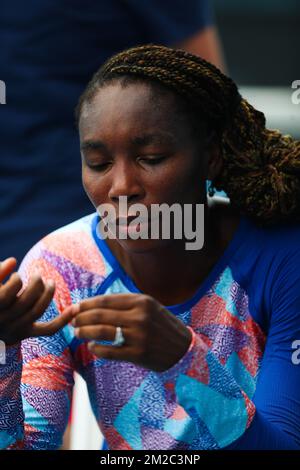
261,42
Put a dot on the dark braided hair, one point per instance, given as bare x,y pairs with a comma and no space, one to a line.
261,167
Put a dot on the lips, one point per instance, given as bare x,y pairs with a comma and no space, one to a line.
125,220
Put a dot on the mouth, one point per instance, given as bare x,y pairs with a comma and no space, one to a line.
131,223
126,221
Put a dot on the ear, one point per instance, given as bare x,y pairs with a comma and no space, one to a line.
215,162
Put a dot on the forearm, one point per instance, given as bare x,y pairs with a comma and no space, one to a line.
31,418
208,392
11,408
264,435
229,416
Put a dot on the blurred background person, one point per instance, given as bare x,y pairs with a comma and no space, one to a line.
49,50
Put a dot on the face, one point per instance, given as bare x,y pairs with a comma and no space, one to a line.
134,144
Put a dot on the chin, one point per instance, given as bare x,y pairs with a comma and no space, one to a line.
143,246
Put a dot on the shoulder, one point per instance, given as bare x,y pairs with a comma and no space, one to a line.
278,239
267,266
265,260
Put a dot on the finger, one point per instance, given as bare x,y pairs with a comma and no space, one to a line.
50,328
39,307
106,316
120,353
98,332
20,327
6,267
113,301
30,296
9,290
74,308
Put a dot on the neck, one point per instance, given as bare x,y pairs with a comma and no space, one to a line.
170,273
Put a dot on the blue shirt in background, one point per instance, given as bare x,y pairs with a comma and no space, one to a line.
49,51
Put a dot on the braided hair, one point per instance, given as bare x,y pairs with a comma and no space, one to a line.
261,167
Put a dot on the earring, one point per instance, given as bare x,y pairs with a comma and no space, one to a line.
211,189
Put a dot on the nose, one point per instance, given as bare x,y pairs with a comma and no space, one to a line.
125,182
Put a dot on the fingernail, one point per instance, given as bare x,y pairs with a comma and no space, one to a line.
51,283
90,345
35,275
76,331
75,309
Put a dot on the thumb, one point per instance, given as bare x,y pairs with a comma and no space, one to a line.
50,328
6,267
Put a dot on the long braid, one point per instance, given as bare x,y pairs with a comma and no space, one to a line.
261,167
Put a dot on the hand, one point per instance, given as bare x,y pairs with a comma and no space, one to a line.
154,337
19,311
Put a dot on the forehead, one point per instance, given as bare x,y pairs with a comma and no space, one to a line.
137,106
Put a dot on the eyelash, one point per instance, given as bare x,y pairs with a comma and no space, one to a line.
153,161
149,161
98,167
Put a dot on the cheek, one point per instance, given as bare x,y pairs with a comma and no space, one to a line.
93,186
184,181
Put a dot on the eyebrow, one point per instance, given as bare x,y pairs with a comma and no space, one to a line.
146,139
138,141
93,145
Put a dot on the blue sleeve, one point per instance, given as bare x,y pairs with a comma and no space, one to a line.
171,21
277,398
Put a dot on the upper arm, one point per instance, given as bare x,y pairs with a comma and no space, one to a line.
170,21
206,44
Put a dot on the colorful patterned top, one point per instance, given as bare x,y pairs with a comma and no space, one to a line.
236,387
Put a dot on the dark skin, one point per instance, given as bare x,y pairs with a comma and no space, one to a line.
117,160
20,307
155,338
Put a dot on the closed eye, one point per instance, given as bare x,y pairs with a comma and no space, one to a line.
153,161
101,167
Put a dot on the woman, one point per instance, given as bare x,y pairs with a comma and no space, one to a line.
204,339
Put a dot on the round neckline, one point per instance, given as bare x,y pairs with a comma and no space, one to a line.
204,286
